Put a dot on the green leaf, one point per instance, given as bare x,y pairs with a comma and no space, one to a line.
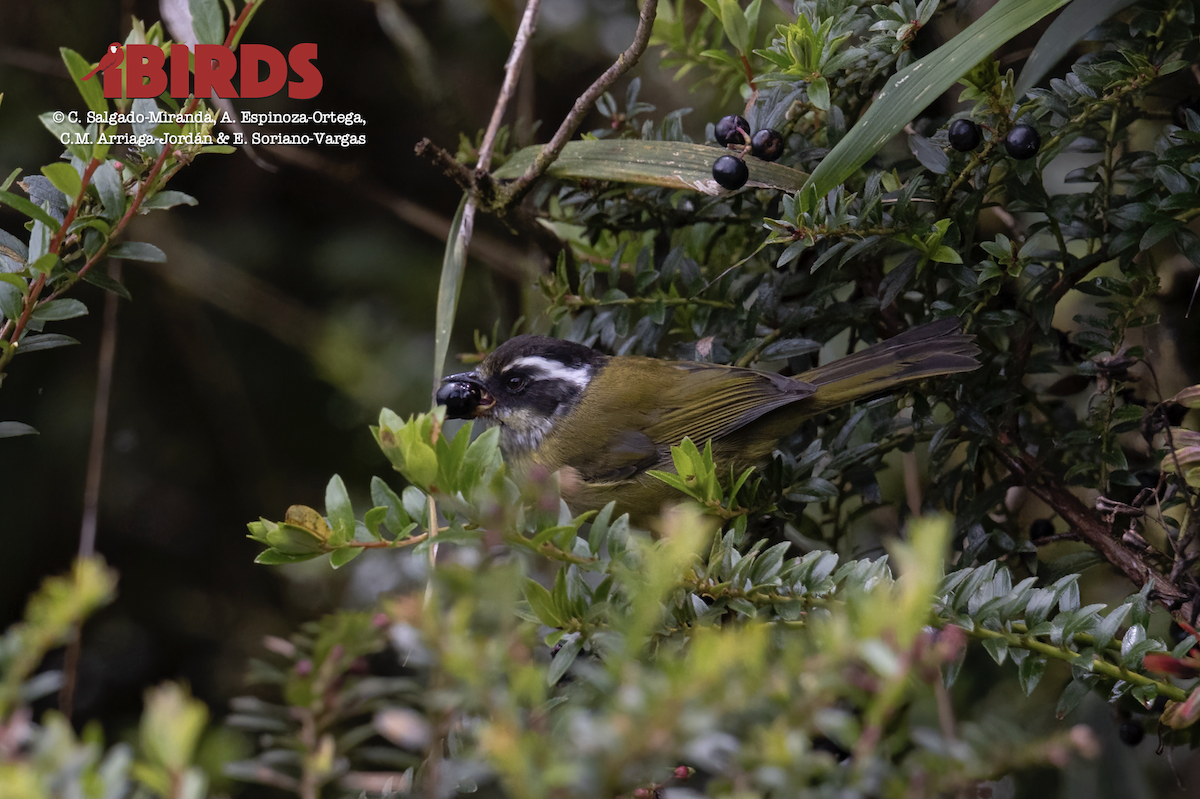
416,504
931,156
1030,673
64,178
913,88
743,606
1139,614
111,190
563,659
29,209
69,134
734,22
1135,635
98,277
168,199
207,23
372,519
789,348
273,557
997,648
1107,629
1061,35
13,429
945,254
481,460
12,300
1072,695
541,603
454,264
138,251
58,310
814,489
340,557
818,93
92,91
8,181
397,518
599,531
293,540
672,164
339,511
1132,659
44,341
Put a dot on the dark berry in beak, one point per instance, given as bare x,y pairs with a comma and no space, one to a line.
463,396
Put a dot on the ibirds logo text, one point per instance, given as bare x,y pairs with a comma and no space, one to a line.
141,70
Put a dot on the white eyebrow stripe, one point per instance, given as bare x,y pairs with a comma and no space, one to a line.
553,370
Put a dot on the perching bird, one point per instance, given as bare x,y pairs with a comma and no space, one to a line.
605,421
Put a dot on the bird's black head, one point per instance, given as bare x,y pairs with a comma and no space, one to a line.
523,386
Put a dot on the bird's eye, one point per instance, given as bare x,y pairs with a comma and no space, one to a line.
517,383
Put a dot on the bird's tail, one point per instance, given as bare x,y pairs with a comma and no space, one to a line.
936,348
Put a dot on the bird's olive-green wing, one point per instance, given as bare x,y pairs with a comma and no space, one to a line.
636,409
714,401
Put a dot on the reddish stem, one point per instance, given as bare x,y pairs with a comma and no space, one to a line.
56,243
236,25
138,199
749,72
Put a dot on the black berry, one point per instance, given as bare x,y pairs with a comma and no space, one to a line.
767,144
1022,142
964,135
731,130
730,172
1041,528
1131,733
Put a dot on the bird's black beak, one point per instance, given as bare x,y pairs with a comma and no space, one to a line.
464,396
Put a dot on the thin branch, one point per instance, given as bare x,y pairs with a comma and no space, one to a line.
445,160
515,190
104,380
512,71
1092,661
1091,530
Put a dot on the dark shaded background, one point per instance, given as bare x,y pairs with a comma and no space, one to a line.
292,307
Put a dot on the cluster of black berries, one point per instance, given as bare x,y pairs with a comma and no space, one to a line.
730,170
1021,142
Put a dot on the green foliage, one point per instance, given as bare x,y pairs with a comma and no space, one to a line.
700,647
332,709
80,206
714,645
43,759
752,633
51,617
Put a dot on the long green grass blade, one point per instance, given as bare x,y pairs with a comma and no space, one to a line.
1062,34
913,88
672,164
454,263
